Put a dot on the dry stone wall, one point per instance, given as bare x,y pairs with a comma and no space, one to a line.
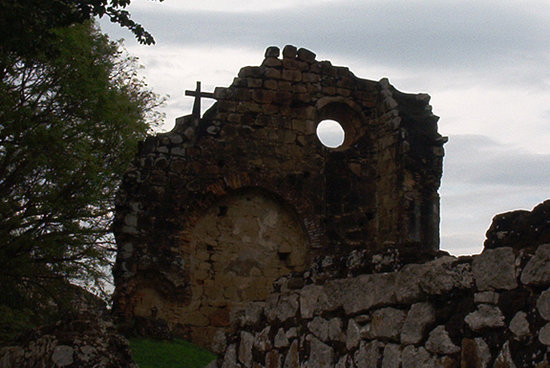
487,310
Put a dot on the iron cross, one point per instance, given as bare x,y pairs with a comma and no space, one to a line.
198,94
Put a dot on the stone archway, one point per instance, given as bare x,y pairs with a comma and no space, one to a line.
239,246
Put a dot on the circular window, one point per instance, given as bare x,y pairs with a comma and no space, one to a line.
330,133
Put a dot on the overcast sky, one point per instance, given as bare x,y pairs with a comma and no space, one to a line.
486,65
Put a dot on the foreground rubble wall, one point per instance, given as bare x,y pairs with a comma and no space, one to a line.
487,310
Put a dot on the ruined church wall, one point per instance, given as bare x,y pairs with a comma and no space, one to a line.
260,137
487,310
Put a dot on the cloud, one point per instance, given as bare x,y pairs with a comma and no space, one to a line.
480,160
483,177
410,34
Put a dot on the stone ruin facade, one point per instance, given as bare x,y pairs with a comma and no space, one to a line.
213,212
240,231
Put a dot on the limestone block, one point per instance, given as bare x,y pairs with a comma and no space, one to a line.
320,355
504,358
439,342
230,357
63,355
219,342
281,341
287,307
442,276
486,297
352,335
486,316
495,269
386,323
543,304
544,334
291,333
392,356
413,357
290,52
306,55
407,287
319,327
292,75
335,330
313,298
362,292
270,307
368,354
245,348
537,270
519,325
420,316
261,340
475,353
292,359
270,84
272,51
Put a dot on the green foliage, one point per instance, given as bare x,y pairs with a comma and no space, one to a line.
31,24
69,126
150,353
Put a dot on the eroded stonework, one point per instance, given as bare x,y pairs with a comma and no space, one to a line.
211,213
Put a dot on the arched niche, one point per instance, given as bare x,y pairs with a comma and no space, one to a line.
240,245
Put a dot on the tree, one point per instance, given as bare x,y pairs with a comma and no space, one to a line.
28,26
69,126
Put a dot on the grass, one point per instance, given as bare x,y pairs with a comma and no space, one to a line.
149,353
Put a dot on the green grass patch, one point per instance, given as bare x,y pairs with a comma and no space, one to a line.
149,353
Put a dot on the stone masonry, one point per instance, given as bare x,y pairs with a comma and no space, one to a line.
213,212
386,310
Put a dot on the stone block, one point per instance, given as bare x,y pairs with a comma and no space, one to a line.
419,318
537,270
543,304
368,354
519,325
486,316
392,356
486,297
320,354
440,343
353,335
280,340
504,358
245,348
544,334
291,75
272,51
319,327
306,55
290,52
413,357
292,358
386,323
495,269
